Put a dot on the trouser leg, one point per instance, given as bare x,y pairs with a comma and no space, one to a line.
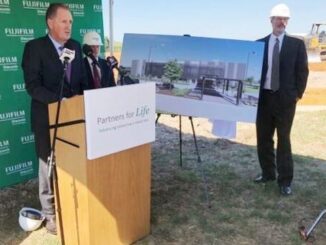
265,128
46,194
284,153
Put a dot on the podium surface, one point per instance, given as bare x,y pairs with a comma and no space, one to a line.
105,200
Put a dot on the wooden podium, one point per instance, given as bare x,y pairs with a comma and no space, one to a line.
103,201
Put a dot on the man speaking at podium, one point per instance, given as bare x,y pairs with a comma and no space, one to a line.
43,75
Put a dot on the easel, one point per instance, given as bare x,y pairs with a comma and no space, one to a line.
196,146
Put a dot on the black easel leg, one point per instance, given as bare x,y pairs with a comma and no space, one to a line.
157,117
180,140
199,166
195,139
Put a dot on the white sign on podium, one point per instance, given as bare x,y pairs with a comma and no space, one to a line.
119,118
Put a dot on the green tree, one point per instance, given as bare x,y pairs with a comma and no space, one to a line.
173,71
250,80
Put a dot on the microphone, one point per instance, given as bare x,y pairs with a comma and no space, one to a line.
87,50
67,56
112,62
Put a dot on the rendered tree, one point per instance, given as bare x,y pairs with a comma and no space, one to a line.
250,80
173,71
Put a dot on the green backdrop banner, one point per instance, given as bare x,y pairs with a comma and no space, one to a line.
21,21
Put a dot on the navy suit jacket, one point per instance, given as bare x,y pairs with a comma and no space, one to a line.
293,68
107,77
43,73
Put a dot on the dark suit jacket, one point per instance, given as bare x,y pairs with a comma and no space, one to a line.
293,68
107,77
43,72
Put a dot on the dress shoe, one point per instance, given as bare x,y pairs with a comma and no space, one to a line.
51,226
260,179
286,190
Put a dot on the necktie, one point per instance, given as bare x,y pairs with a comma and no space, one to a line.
96,76
275,77
68,72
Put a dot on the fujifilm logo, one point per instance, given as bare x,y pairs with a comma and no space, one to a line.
27,139
4,2
39,6
22,168
9,63
76,9
82,32
4,7
8,60
97,8
25,34
16,117
4,147
14,32
18,87
4,143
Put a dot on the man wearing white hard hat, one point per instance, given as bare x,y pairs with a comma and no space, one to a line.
283,82
99,72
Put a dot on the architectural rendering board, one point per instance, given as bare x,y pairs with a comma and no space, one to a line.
197,76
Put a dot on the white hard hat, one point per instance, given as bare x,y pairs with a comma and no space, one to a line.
280,10
30,219
92,38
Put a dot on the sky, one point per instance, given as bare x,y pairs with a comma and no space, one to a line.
232,19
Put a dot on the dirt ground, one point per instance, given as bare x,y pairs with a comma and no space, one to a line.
316,88
320,66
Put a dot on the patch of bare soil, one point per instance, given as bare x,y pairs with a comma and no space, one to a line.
315,93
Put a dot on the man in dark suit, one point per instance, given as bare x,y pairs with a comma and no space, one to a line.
99,74
43,72
283,82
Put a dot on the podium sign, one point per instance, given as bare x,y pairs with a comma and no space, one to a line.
119,118
105,200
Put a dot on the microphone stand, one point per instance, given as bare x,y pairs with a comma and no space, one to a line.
114,65
122,76
52,169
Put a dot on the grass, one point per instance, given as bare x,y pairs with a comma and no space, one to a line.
237,211
240,212
180,91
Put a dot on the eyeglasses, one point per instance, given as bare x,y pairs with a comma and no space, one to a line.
285,19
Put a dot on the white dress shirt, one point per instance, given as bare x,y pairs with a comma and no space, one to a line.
271,43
